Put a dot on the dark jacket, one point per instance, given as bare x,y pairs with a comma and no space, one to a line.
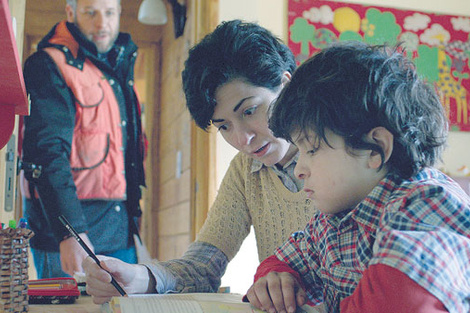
48,137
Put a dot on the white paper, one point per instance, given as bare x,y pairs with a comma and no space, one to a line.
193,303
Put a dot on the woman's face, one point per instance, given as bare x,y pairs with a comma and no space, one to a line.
241,116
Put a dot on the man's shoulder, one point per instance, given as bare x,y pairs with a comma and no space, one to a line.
125,40
38,62
38,56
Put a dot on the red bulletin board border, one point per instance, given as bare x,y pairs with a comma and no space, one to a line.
438,44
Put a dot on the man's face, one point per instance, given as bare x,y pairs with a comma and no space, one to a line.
98,20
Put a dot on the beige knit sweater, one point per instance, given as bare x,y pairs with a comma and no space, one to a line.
259,199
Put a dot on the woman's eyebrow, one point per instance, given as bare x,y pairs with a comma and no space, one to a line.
235,109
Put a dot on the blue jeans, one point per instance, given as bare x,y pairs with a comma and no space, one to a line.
48,265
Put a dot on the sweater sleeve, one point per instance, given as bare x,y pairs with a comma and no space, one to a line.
47,142
199,270
384,289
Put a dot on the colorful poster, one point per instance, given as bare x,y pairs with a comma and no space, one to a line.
438,44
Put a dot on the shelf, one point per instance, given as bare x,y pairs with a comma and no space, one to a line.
13,99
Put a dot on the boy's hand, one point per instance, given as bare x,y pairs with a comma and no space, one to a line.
277,292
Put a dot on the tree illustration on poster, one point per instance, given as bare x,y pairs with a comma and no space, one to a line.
438,44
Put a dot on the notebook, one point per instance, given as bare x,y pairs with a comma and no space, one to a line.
187,303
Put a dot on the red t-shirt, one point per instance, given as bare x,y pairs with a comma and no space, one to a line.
382,289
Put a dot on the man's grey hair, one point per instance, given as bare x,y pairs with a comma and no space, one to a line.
73,3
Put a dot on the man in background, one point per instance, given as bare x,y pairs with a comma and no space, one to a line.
83,143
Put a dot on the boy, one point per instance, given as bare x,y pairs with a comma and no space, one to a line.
393,233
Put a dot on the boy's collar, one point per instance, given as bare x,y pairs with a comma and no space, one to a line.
367,213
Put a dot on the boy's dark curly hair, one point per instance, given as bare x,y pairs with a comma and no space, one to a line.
350,88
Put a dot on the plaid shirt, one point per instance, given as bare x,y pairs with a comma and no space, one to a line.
419,226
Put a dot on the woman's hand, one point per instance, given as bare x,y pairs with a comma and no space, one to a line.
133,278
277,292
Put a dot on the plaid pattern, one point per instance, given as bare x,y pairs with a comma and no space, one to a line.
419,226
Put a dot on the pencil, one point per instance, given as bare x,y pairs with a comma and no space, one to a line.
72,231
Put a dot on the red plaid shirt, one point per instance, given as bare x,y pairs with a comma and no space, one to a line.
419,226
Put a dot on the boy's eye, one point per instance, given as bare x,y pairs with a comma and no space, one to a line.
222,127
312,151
109,13
90,13
249,111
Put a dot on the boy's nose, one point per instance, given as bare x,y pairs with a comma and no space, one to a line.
298,174
300,171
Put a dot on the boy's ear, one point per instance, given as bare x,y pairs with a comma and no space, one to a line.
286,77
384,138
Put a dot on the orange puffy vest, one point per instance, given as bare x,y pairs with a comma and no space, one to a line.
97,155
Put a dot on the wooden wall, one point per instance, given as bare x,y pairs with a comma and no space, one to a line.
179,211
42,15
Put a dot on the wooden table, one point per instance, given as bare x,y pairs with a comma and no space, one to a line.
84,304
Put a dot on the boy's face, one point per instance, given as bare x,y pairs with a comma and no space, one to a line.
241,117
334,179
98,20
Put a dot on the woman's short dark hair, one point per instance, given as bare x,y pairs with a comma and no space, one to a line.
351,88
234,50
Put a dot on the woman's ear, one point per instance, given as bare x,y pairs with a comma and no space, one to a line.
384,139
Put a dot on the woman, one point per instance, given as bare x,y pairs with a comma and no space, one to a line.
230,79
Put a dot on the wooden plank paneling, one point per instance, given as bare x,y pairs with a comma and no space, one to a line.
172,247
36,24
175,221
175,137
147,69
175,191
203,157
129,7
